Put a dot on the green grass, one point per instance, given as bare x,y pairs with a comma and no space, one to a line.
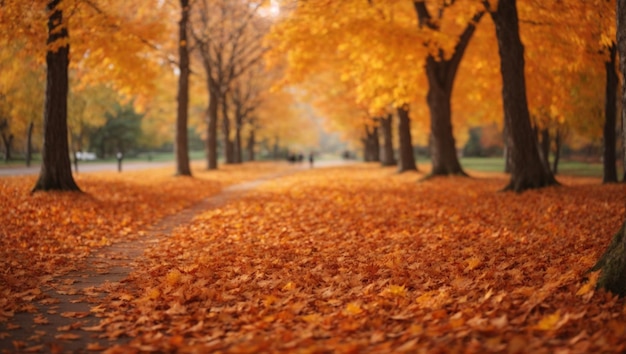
570,168
485,164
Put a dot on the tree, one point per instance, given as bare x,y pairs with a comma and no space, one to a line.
386,127
371,143
247,96
228,36
120,133
610,117
87,108
441,71
7,138
407,158
612,263
181,145
527,170
56,169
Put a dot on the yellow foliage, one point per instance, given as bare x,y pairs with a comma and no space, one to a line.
590,285
173,276
549,322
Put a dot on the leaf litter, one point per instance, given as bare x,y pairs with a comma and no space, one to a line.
356,259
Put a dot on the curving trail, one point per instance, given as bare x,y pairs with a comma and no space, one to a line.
67,320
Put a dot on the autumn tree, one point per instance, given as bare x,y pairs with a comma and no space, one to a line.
612,264
56,170
406,162
580,44
386,126
228,36
609,155
96,58
181,144
441,69
247,95
87,108
527,170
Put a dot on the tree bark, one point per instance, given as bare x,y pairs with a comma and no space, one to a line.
545,147
557,152
238,146
609,167
621,50
386,126
443,147
238,154
406,162
29,143
275,148
56,168
7,141
181,145
527,170
371,145
211,141
441,73
229,151
508,162
612,263
250,147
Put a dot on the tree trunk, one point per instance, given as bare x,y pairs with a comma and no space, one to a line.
7,142
229,153
211,141
406,162
441,73
386,126
508,162
621,51
251,143
612,263
375,141
443,148
371,145
29,143
181,145
238,154
75,156
610,112
557,152
238,146
545,148
275,148
527,170
56,168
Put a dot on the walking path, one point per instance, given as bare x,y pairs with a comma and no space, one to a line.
62,321
87,167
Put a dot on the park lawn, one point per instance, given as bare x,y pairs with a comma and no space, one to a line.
361,259
566,167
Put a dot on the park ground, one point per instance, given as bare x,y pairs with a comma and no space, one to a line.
353,258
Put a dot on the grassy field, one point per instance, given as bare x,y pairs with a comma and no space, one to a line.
484,164
569,168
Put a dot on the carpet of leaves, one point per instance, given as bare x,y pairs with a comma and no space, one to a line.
360,259
45,235
350,259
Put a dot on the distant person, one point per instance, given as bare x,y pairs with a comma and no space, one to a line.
119,157
311,160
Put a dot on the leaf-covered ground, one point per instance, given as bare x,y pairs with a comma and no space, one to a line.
351,259
45,235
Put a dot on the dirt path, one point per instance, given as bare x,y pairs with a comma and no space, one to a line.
61,321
